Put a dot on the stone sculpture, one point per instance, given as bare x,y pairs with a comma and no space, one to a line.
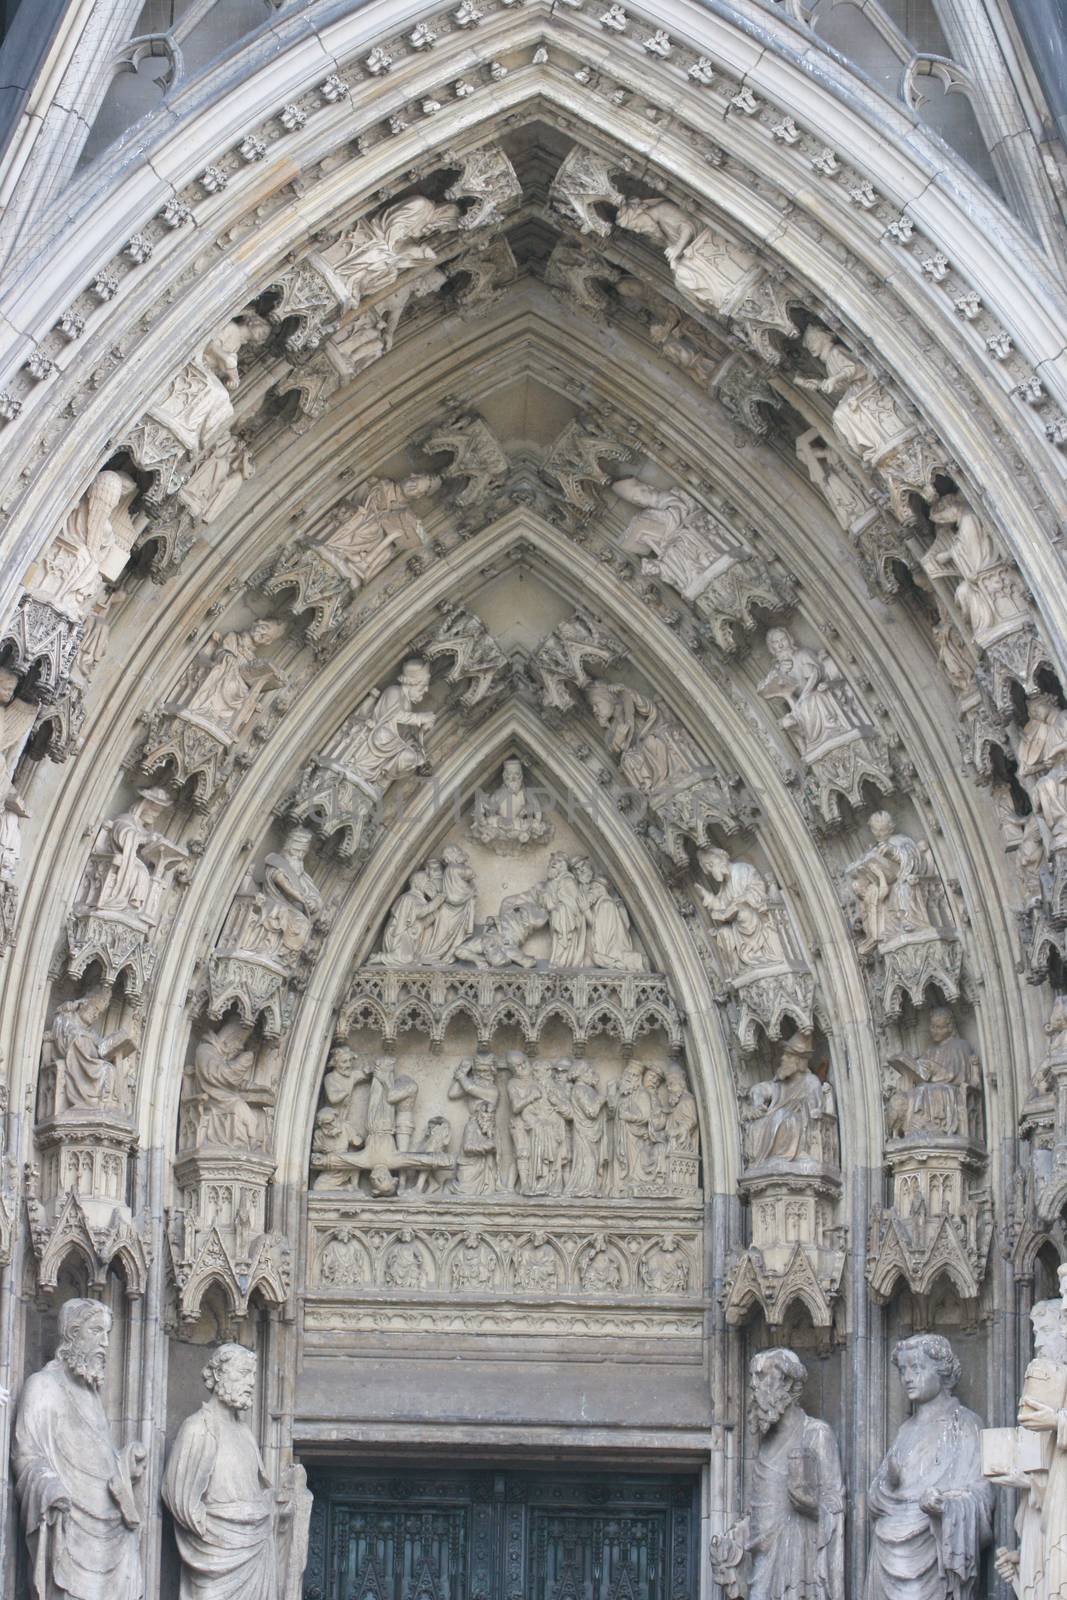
937,1089
930,1507
223,1103
820,709
234,1530
898,902
1036,1463
342,790
510,819
793,1119
990,592
685,546
474,1081
17,718
79,1496
477,660
82,1059
91,548
791,1542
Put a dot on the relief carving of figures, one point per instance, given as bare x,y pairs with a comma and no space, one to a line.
990,593
720,274
660,761
474,1265
235,1531
434,917
665,1269
930,1507
341,790
537,1266
223,1104
897,895
790,1544
79,1495
267,932
1040,839
793,1119
1033,1458
936,1095
684,545
80,1064
405,1264
510,819
638,1131
585,1109
120,900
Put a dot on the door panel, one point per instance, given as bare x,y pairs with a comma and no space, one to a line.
495,1535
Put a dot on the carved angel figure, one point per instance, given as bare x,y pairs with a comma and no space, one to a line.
91,547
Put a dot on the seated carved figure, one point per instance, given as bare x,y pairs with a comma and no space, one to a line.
930,1507
791,1119
938,1085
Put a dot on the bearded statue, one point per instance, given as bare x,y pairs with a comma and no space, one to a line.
78,1493
790,1545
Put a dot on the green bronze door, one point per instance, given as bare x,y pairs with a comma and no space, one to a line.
484,1535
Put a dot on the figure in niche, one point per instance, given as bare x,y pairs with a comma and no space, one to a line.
523,1092
229,693
930,1507
682,1124
405,1264
665,1269
83,1058
1043,769
381,524
228,1109
537,1265
586,1112
990,593
286,910
676,538
830,476
131,860
939,1085
889,881
598,1269
653,752
378,745
793,1118
813,689
1037,1570
746,927
92,546
475,1081
78,1493
511,817
17,718
380,248
790,1545
710,268
231,1524
474,1264
341,1263
866,417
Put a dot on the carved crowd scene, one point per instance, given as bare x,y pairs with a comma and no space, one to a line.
533,840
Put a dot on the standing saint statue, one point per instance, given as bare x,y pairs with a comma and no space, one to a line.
77,1491
790,1546
235,1532
930,1507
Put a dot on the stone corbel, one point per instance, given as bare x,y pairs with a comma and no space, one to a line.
797,1253
75,1201
937,1224
217,1236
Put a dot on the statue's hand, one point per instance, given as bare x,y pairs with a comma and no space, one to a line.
137,1457
1007,1563
58,1508
933,1503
